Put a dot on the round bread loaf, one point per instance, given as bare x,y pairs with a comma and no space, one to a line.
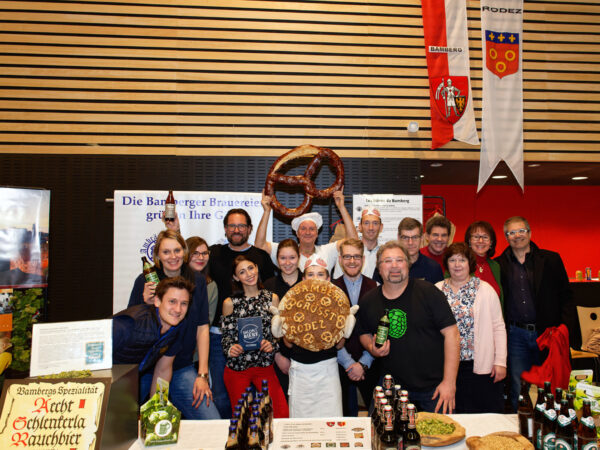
314,314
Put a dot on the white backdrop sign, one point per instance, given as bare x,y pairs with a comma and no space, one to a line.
137,222
393,208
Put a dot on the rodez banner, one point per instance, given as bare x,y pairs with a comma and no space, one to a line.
56,414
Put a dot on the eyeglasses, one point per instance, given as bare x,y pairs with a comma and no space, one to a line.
518,232
393,260
480,237
203,254
233,226
411,238
354,257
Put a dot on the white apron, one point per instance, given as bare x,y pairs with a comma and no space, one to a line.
315,389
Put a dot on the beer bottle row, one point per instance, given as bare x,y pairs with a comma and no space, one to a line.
552,423
251,427
393,420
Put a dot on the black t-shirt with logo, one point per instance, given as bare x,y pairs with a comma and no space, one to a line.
416,358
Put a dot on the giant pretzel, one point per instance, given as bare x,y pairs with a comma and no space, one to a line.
305,180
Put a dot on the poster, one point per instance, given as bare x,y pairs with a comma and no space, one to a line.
64,346
137,222
53,414
393,208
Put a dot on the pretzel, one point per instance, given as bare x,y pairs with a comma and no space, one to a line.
305,180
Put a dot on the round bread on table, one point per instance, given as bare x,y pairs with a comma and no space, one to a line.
501,440
438,430
314,314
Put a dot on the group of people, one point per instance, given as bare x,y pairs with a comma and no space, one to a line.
460,321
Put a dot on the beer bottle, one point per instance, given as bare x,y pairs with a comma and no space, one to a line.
388,439
565,437
547,389
538,419
253,439
412,439
586,431
397,393
549,425
149,271
388,380
170,207
403,422
375,414
381,423
558,395
383,328
232,439
525,412
268,407
570,399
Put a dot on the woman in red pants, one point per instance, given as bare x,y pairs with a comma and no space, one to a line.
243,368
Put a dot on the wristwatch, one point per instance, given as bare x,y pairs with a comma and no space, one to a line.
364,366
202,375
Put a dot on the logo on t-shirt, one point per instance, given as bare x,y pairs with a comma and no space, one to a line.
397,323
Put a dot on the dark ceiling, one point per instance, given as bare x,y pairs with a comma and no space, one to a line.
536,173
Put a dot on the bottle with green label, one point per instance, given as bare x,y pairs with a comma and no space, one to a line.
549,425
586,431
149,271
538,419
383,329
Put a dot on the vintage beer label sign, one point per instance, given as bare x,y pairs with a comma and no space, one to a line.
53,414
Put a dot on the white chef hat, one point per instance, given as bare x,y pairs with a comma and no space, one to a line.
314,216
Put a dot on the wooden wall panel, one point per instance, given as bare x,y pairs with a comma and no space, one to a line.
196,77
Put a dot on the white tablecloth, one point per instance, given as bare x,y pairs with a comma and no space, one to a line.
212,434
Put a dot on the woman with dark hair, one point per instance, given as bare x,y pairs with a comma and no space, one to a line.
198,257
245,367
481,238
478,314
189,386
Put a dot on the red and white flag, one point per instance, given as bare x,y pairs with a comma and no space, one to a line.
502,115
447,51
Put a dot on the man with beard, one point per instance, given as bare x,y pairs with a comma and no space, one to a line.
422,350
238,227
354,361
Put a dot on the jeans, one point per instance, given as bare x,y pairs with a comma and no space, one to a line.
216,364
422,400
181,394
523,352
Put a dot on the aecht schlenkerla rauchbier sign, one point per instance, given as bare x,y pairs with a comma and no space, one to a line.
57,414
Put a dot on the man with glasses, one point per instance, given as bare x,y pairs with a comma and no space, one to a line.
238,227
422,350
354,361
410,232
537,296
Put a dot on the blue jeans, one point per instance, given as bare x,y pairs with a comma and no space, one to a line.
523,352
216,364
423,401
181,394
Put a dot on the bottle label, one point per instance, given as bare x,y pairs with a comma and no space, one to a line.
540,407
382,335
563,421
549,441
170,210
572,414
538,438
561,444
588,422
152,277
529,427
550,414
590,446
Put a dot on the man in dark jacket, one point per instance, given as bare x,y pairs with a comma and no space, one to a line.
537,295
354,361
148,335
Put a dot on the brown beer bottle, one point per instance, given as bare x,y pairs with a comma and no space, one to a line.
586,431
170,207
232,439
149,271
538,419
253,439
571,399
525,412
565,435
383,329
382,404
412,438
388,439
549,425
375,414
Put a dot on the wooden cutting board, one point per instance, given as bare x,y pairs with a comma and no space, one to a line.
514,441
441,440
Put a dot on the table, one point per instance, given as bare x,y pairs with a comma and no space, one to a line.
212,434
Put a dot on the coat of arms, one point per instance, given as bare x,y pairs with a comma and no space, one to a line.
451,96
501,52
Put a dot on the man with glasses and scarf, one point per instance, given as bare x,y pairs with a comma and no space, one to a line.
537,296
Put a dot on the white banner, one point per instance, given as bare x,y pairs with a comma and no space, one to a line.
137,222
393,208
502,106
